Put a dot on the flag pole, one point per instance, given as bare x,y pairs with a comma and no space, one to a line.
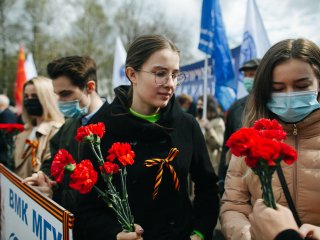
213,41
205,88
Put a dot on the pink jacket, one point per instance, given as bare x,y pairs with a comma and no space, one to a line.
242,186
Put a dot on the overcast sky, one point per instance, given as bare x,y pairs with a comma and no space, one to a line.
282,18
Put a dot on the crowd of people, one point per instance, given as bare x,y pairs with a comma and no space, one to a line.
214,185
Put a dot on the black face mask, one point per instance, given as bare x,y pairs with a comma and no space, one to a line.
33,107
199,112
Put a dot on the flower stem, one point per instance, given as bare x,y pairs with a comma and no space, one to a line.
120,205
117,202
100,159
99,151
125,195
266,185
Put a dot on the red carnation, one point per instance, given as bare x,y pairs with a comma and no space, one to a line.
241,141
278,135
82,132
83,177
288,153
10,127
270,129
122,152
97,129
109,167
62,159
267,150
267,124
263,150
89,130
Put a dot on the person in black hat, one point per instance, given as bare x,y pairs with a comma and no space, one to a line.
235,116
249,70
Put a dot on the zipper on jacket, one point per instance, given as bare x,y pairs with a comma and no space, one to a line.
295,130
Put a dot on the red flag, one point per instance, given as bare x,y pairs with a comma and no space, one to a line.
21,78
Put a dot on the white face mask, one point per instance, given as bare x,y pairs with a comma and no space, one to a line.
248,83
294,106
72,109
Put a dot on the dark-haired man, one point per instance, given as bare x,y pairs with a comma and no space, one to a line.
74,80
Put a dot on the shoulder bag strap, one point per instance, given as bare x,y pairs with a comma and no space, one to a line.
288,195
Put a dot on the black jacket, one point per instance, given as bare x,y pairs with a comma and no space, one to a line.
6,116
233,123
64,139
288,234
171,216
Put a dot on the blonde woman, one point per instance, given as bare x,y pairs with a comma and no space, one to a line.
42,119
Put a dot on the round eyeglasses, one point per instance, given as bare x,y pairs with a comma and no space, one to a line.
161,77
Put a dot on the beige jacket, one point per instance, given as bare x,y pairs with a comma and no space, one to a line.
242,187
214,135
23,154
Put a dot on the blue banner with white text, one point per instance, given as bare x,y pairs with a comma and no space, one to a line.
193,85
213,41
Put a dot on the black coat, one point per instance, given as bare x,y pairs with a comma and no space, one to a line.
288,234
6,116
64,139
171,216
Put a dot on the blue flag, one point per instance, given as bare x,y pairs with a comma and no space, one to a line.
213,41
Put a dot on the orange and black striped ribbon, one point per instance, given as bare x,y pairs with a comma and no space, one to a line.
164,162
34,146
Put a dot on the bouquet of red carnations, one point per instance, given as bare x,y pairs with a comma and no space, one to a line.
8,131
83,176
263,148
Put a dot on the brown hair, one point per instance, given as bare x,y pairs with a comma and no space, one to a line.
79,70
183,98
142,48
301,49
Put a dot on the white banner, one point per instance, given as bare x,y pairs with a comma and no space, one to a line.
118,75
30,67
27,214
255,40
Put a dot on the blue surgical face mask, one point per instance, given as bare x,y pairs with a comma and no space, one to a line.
294,106
72,109
248,83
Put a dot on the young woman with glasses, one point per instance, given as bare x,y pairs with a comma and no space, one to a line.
147,116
